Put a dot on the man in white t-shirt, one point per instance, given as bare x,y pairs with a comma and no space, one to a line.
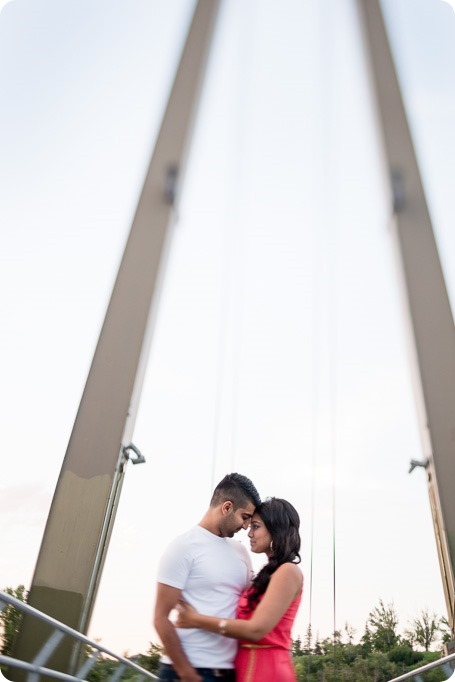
209,569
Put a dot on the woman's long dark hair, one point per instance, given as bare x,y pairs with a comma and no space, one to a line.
282,521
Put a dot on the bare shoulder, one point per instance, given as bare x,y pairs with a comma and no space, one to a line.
287,582
291,572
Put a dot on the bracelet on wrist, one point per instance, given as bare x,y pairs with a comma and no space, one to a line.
222,626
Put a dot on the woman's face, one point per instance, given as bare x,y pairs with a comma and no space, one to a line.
260,537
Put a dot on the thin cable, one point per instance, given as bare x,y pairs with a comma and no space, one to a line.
236,355
315,403
245,50
333,430
328,39
225,301
219,381
319,266
333,313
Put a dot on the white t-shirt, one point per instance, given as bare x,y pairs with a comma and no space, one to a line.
212,572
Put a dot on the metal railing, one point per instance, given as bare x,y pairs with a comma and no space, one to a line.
446,664
59,630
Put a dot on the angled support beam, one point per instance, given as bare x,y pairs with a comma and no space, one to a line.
429,314
83,510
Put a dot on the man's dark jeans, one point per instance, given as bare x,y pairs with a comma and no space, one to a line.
166,673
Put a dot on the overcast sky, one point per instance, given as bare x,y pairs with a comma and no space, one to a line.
280,348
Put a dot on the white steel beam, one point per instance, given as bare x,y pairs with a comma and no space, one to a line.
428,310
83,510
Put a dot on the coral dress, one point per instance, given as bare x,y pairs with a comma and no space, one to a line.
269,659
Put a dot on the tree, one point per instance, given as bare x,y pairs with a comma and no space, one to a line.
308,640
383,621
424,630
317,650
404,654
332,660
102,670
105,666
327,646
445,630
297,647
151,660
10,620
337,638
350,632
366,641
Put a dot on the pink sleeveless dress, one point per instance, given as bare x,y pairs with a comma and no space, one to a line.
269,659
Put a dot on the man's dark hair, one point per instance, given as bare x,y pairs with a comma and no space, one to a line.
236,488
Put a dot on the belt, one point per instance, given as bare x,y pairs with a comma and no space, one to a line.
216,672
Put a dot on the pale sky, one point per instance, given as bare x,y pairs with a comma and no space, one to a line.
280,348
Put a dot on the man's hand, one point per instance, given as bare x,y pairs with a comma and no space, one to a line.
166,600
192,676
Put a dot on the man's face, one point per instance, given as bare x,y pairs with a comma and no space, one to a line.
233,521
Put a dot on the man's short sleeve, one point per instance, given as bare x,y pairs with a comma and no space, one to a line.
245,558
175,564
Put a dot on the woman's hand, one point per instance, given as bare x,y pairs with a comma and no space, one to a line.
186,614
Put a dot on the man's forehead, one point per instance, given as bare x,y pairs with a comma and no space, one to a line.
248,509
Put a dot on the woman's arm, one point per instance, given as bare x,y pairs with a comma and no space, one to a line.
284,586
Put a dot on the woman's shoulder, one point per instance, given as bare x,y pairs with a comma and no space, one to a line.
287,580
290,571
290,568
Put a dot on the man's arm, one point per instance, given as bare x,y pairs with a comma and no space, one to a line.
166,599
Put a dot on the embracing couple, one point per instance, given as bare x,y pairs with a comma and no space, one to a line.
230,625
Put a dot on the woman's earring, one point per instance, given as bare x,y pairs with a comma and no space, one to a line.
271,545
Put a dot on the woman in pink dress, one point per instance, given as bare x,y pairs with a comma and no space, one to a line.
266,611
